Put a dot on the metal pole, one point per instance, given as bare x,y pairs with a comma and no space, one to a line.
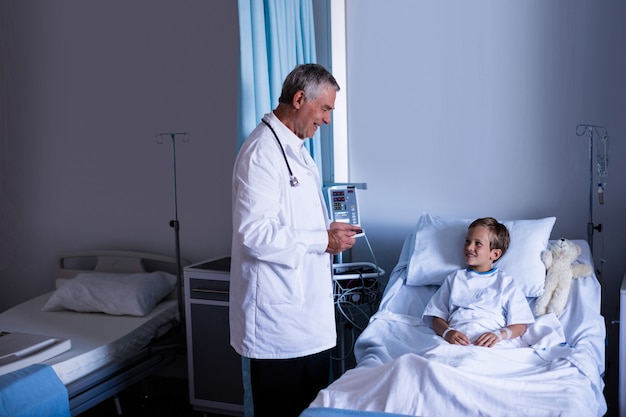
580,131
175,224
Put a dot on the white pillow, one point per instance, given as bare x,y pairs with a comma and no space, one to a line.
112,293
438,250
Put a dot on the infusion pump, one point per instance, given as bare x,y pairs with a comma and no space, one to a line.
343,204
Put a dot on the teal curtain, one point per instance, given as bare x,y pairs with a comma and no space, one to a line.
275,36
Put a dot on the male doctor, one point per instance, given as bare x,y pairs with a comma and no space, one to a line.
281,290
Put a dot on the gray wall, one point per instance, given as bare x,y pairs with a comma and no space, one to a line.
456,108
86,86
469,109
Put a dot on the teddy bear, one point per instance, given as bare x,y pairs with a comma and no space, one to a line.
560,270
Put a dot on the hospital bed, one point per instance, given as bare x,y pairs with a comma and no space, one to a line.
404,368
123,326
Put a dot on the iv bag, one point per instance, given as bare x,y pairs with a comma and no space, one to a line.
602,157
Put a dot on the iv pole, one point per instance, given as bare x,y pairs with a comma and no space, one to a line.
175,223
580,131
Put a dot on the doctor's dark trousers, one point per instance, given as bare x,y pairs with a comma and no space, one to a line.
285,387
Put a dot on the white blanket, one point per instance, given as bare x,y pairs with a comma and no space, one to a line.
555,369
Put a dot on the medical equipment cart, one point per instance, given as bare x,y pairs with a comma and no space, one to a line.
214,368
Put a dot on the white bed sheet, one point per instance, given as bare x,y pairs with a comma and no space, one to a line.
404,368
96,339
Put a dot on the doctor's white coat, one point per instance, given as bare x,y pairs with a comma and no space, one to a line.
281,290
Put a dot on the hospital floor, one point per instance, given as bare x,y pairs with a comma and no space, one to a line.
155,397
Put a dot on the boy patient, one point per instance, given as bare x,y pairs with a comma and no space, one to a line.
480,304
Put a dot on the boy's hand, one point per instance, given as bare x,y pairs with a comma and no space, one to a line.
455,337
487,339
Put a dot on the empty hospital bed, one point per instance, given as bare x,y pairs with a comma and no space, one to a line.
126,327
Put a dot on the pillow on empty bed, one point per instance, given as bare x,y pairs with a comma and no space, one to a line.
112,293
438,250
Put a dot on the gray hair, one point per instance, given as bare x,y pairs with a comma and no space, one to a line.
311,78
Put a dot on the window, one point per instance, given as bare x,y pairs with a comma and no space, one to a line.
330,29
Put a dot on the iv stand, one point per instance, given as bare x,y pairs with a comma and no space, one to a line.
580,130
175,223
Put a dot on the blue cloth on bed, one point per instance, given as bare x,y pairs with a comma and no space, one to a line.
336,412
34,391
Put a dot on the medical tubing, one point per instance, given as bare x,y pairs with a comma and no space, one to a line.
372,253
375,265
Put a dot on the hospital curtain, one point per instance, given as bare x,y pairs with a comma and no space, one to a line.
275,36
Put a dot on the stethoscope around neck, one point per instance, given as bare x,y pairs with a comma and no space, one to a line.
293,180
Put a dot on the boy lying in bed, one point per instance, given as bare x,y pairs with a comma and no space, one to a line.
480,305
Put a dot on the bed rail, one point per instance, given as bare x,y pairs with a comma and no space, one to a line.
69,264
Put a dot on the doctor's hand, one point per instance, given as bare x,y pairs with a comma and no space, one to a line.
340,237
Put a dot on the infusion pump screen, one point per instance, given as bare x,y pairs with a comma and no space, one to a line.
343,205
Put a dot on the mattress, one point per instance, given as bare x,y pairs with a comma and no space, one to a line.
96,339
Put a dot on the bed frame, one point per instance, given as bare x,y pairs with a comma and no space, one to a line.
108,381
380,355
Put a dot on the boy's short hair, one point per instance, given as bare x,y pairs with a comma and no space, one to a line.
499,237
